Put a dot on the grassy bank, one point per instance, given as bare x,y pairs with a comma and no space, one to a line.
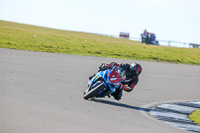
195,116
27,37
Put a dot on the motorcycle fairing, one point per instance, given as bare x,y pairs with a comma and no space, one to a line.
111,78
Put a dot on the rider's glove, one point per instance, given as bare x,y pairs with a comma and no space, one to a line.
126,88
123,87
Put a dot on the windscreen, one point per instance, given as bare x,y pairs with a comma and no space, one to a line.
121,72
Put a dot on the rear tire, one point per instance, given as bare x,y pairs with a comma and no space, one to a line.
93,92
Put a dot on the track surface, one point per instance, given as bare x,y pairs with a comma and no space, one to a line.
42,93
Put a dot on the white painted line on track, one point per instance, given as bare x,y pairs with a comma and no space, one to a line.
180,108
167,114
176,114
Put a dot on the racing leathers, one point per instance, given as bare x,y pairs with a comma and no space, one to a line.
128,84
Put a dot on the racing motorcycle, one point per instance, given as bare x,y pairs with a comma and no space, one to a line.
104,83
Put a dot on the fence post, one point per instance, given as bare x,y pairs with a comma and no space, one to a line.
169,43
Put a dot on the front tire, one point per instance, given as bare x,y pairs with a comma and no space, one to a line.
94,91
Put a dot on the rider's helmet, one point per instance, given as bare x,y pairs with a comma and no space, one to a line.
135,69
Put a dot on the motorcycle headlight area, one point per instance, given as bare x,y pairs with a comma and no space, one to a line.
95,84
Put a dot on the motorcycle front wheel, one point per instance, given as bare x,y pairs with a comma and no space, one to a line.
94,91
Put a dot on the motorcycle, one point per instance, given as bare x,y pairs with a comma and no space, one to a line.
104,83
149,39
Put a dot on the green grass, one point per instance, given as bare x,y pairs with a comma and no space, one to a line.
34,38
195,116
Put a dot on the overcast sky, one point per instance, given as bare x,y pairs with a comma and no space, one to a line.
176,20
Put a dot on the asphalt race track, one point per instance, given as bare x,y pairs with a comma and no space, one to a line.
43,93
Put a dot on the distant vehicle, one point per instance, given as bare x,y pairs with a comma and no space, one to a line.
149,38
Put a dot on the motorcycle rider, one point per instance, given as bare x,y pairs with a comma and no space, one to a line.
132,73
145,36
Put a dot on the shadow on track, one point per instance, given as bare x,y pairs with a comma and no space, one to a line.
120,104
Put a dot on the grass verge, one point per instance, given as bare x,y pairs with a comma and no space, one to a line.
195,116
34,38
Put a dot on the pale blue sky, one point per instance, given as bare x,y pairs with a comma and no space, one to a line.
176,20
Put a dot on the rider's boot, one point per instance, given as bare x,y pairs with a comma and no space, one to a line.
117,94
